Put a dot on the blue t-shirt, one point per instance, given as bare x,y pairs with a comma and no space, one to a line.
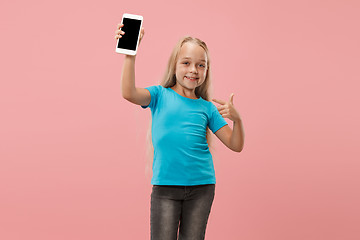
181,152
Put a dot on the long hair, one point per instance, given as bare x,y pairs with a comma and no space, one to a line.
169,80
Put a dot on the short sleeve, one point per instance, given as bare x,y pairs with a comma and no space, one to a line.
154,93
216,121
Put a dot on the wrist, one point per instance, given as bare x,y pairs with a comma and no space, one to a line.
130,57
237,119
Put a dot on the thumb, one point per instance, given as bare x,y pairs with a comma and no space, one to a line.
142,33
231,98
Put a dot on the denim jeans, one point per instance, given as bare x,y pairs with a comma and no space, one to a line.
180,210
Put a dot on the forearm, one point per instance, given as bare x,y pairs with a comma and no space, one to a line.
237,136
128,76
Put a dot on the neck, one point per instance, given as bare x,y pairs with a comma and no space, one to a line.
189,93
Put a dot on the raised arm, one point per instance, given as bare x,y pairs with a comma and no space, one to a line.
232,138
130,92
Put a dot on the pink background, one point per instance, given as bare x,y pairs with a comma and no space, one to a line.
72,151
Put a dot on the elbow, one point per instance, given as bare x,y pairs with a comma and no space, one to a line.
238,149
126,96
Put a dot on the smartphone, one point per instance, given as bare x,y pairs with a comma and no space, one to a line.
129,42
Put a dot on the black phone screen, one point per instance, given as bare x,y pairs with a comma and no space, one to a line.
129,39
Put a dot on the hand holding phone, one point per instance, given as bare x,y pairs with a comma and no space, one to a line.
119,32
129,34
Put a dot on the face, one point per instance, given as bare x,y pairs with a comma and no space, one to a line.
191,66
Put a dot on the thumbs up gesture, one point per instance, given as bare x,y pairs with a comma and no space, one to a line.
227,109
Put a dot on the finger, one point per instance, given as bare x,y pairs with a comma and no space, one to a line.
221,107
219,101
120,32
231,98
226,116
142,32
119,35
120,25
225,111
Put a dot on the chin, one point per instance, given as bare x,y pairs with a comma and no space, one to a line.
192,87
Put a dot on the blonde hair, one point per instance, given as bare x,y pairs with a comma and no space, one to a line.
169,80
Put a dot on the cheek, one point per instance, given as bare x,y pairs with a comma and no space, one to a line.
203,77
179,71
204,73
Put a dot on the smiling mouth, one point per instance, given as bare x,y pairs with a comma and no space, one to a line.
192,78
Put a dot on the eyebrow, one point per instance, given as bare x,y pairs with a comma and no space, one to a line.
202,60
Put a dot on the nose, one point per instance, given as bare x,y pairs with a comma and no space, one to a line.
193,69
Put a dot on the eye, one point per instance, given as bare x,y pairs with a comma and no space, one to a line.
202,65
185,63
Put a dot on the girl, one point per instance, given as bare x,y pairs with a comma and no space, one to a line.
183,172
